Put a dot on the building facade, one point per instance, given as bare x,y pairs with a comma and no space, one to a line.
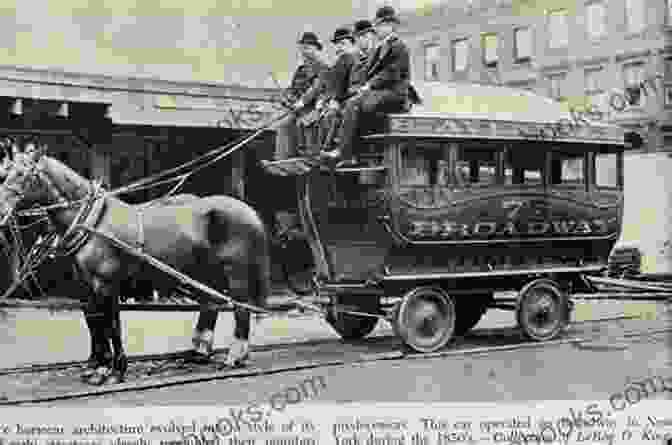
612,55
120,129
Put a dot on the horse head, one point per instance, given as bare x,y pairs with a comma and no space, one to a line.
24,182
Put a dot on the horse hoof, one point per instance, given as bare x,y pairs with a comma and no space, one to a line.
198,358
100,376
239,362
114,379
121,364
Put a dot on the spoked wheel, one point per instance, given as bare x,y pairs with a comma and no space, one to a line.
354,327
425,320
542,310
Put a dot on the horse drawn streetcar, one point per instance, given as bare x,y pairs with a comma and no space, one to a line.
481,190
459,201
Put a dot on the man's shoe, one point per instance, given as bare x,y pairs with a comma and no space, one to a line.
331,154
348,163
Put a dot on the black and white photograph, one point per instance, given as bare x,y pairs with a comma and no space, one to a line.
364,222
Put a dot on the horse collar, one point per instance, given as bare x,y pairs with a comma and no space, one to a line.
88,216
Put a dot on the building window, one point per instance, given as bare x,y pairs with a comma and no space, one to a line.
490,44
522,44
634,15
633,76
460,55
432,59
596,19
668,82
524,85
669,12
593,87
633,79
555,83
558,28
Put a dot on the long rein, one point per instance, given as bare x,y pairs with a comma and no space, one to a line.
78,233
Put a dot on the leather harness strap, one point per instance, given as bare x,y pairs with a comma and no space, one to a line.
141,230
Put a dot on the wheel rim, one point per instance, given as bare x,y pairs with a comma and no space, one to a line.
426,320
541,314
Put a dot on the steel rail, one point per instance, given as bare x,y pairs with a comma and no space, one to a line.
155,383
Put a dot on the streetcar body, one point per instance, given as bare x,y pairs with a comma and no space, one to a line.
453,206
464,192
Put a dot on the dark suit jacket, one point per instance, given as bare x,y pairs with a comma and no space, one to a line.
389,67
358,73
339,77
306,84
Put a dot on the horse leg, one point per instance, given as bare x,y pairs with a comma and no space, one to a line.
97,321
120,361
107,309
204,334
100,347
240,291
249,284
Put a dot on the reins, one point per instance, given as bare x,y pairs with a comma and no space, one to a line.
78,233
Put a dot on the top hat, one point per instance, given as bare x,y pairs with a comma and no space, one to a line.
341,34
310,38
386,14
362,27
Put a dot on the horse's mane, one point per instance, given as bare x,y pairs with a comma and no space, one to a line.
72,182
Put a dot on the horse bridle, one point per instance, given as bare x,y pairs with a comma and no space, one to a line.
71,241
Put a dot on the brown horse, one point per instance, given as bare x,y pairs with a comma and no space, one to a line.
216,240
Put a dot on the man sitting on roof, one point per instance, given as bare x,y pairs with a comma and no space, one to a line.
365,40
386,88
301,93
338,80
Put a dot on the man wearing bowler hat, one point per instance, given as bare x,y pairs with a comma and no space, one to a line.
338,80
385,89
366,40
301,94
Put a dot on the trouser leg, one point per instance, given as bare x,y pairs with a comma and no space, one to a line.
350,126
285,137
328,128
361,108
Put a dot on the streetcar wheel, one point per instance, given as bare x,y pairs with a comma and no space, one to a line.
542,310
426,319
354,327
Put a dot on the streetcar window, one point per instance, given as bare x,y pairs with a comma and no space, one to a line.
606,170
476,166
524,166
422,165
567,169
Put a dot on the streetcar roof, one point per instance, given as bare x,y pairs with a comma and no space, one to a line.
455,110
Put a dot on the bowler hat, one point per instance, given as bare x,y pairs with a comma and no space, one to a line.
362,27
310,38
341,34
386,14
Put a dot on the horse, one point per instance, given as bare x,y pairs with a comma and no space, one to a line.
217,240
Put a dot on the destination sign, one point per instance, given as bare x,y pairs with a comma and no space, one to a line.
455,230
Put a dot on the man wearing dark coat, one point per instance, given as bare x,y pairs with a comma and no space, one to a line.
338,80
386,87
366,40
301,94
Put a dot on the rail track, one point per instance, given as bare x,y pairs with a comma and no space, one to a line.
61,381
